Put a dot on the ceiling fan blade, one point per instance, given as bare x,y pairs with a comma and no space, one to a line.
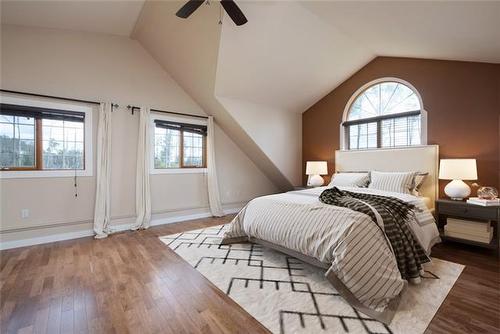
189,8
234,12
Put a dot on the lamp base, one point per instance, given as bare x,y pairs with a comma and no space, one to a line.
315,181
457,190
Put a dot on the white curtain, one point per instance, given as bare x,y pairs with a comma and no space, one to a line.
142,186
102,209
213,185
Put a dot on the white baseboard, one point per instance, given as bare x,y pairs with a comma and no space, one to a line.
115,228
45,239
173,219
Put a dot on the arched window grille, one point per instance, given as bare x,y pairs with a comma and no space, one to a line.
382,114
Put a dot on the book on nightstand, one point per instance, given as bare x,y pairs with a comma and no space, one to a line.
484,202
470,230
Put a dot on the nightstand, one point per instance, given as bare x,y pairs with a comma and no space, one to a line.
460,209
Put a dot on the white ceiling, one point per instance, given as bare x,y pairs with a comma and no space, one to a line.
109,17
285,58
454,30
459,30
292,53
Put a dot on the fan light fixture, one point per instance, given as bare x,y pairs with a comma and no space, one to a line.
229,6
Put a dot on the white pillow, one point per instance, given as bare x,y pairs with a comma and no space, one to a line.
399,182
349,179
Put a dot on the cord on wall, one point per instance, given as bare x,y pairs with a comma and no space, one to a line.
75,183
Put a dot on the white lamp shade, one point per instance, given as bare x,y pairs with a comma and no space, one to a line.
458,169
316,168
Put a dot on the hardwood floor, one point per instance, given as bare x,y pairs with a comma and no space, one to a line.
131,282
473,304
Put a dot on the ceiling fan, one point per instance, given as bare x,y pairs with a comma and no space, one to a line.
229,6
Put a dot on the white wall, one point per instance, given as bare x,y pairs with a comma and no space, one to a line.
277,132
106,68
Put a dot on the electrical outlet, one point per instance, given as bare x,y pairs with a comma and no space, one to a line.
25,213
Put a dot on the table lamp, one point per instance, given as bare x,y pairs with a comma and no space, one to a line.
314,170
457,170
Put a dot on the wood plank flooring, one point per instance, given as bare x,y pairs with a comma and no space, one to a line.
132,283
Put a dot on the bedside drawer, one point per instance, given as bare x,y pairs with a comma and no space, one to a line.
468,211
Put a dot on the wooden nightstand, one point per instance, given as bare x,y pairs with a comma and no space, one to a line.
460,209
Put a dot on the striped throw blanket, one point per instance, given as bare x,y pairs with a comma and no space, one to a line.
393,215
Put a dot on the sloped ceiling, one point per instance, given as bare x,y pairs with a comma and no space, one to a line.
291,54
451,30
109,17
285,57
257,79
188,51
270,71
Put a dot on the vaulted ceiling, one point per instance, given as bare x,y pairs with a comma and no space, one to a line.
258,78
452,30
108,17
286,58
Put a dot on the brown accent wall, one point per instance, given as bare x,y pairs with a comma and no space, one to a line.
462,100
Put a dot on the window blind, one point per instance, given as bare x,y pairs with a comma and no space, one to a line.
193,128
41,113
384,131
362,136
400,131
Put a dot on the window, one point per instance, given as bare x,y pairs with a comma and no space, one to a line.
179,145
385,114
39,139
62,144
17,142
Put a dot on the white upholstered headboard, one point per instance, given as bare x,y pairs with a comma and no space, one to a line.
417,158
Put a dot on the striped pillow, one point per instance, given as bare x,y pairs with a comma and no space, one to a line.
402,182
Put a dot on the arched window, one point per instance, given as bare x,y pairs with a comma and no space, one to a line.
384,113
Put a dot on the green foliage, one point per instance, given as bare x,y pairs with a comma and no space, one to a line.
15,152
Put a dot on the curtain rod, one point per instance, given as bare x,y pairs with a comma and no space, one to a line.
167,112
55,97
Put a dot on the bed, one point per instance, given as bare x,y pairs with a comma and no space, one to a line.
360,262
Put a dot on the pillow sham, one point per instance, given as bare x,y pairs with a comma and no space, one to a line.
398,182
350,179
419,180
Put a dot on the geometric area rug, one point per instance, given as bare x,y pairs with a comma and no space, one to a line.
287,295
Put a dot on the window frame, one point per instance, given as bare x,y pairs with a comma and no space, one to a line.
37,171
344,125
183,169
